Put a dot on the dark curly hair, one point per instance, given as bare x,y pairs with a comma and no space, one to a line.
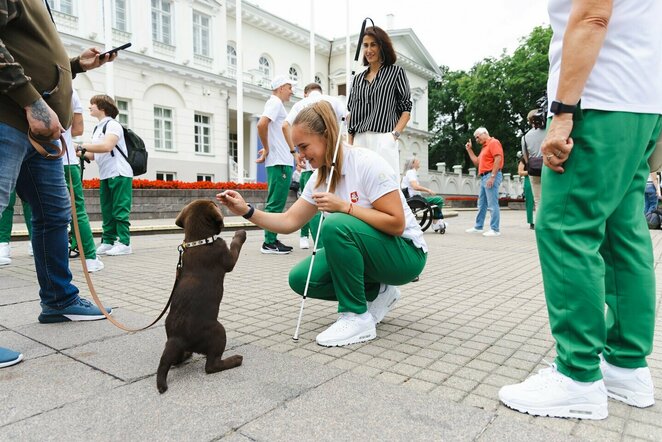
384,42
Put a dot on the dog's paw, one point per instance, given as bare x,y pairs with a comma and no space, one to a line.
234,361
240,235
162,388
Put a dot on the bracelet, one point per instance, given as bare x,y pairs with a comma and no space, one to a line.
293,151
351,206
249,214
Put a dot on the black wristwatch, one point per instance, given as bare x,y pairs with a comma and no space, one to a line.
561,108
249,214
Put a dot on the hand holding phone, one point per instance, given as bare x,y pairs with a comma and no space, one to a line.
115,50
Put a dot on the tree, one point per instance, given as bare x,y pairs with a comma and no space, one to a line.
495,93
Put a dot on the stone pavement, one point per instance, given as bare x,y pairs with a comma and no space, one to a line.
474,322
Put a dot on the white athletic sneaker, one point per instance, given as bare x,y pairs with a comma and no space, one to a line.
303,243
633,386
103,248
4,261
492,233
550,393
5,250
350,328
119,249
94,265
384,302
473,230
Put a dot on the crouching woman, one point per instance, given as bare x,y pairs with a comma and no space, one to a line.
372,242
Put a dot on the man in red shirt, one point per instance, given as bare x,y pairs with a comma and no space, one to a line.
489,163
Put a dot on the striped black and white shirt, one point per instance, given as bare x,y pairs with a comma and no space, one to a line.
377,106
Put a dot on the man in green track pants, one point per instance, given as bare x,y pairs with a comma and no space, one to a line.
6,224
277,157
594,246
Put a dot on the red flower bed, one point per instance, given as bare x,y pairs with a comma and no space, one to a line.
159,184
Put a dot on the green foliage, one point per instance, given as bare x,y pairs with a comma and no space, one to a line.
495,93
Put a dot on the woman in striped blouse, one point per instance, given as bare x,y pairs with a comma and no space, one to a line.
379,103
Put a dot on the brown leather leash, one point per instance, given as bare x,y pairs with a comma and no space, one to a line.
37,144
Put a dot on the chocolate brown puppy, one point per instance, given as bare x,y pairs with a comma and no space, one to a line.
192,324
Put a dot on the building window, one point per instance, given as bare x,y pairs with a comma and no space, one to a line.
265,67
205,177
120,18
232,147
318,79
123,107
166,176
232,55
342,89
202,133
163,128
161,21
294,73
64,6
201,34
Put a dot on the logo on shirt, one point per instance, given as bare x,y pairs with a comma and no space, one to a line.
354,197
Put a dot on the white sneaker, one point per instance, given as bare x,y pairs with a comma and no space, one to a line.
550,393
103,248
492,233
384,302
303,243
4,261
436,226
5,250
30,251
633,386
350,328
473,230
119,249
94,265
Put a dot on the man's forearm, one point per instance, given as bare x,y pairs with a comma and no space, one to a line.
497,165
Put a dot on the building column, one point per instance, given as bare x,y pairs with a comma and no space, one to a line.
252,148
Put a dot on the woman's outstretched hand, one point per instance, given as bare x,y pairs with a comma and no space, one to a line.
233,201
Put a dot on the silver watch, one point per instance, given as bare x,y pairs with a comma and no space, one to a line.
396,134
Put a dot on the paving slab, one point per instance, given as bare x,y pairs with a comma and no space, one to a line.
197,406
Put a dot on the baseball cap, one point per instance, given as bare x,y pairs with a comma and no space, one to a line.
280,80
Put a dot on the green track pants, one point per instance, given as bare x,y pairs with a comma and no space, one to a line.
595,247
355,259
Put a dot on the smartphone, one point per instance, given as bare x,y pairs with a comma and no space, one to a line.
115,50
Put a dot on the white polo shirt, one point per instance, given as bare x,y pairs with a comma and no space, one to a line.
627,75
279,150
111,166
365,178
410,176
70,157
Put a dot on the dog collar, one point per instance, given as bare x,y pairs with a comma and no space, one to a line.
200,242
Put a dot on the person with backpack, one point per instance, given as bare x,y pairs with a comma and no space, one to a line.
109,149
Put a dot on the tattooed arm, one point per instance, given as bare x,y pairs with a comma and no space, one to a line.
42,120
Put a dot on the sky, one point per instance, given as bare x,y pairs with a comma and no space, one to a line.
457,34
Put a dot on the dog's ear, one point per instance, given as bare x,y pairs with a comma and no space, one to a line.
217,216
181,218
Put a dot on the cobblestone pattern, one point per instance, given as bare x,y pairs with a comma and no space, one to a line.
474,322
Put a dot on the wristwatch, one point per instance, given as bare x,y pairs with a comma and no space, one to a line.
79,147
561,108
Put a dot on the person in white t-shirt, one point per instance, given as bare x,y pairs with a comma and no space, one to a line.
312,94
73,173
414,187
277,157
372,241
115,190
595,250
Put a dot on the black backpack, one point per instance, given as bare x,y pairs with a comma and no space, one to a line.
654,219
135,146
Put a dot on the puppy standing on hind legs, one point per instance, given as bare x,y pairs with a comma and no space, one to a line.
192,324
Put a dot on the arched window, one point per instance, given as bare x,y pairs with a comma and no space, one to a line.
265,66
294,73
318,80
232,55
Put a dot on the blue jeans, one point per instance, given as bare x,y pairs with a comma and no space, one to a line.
488,199
650,198
40,182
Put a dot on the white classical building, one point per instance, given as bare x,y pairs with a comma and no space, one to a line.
176,85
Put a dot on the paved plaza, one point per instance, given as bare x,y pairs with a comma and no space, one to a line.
474,322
